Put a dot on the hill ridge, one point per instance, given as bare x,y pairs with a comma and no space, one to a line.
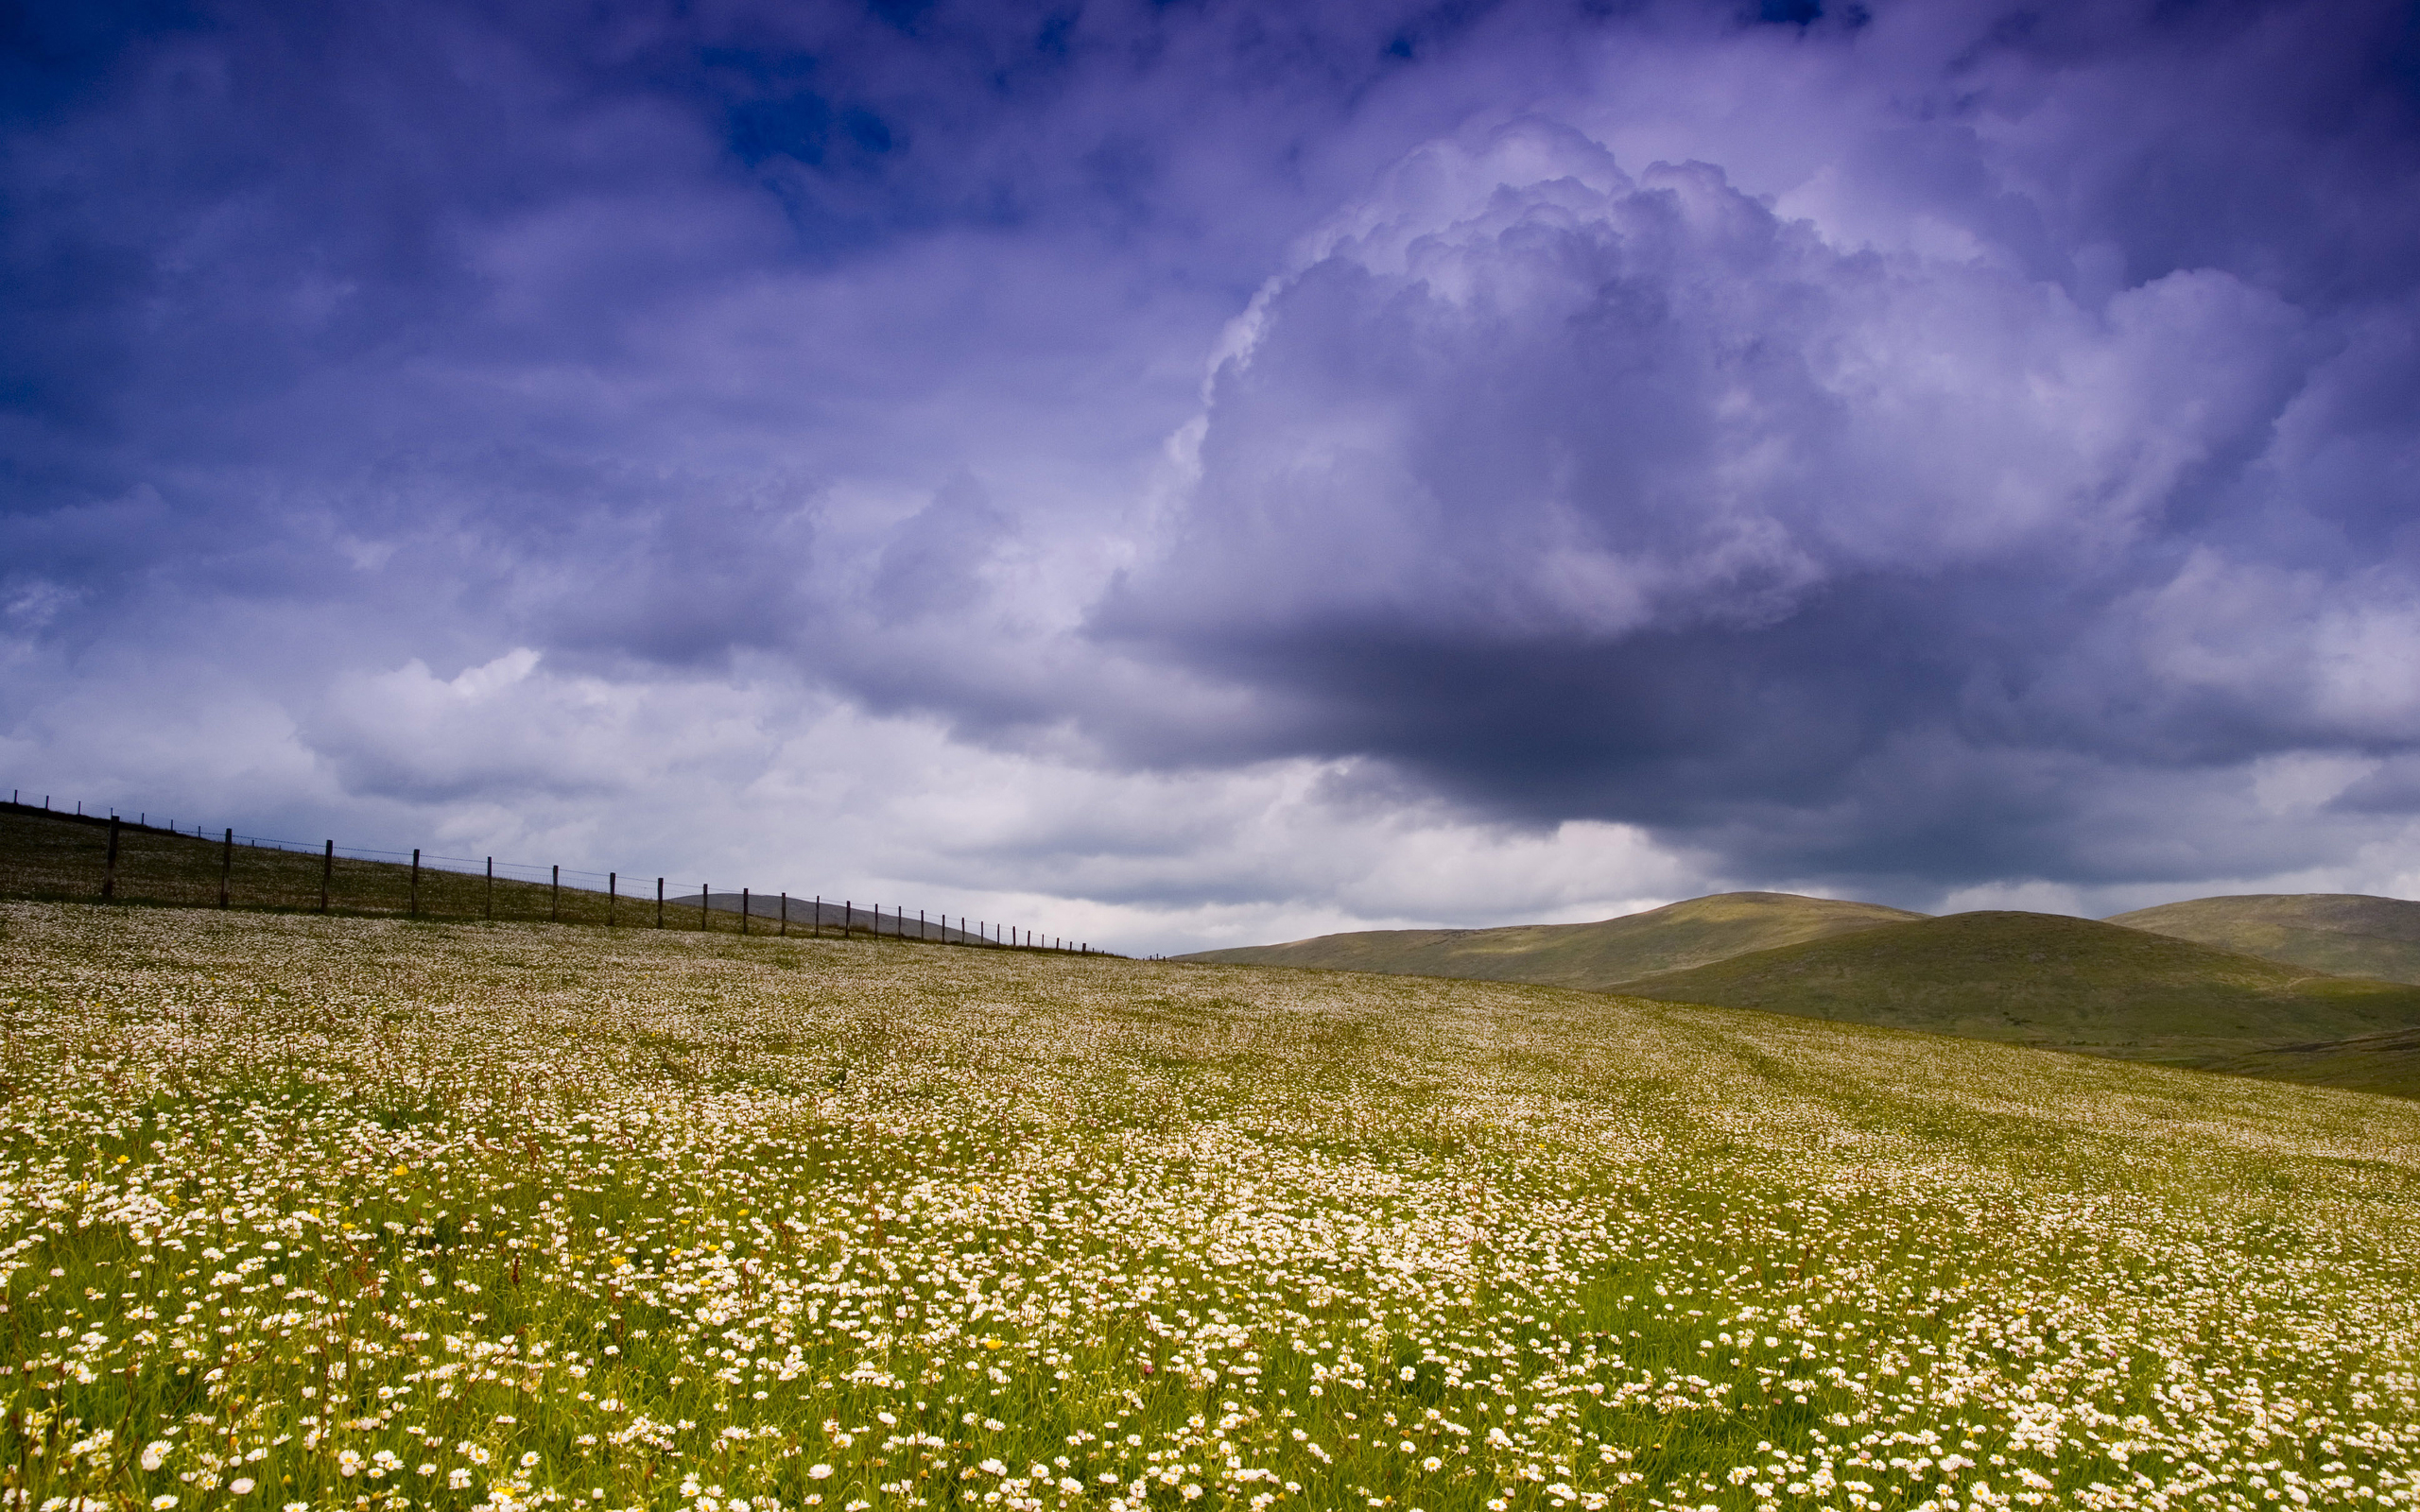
2343,934
1592,955
2052,981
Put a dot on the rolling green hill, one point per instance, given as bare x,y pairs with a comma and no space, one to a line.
1583,956
2345,933
2053,982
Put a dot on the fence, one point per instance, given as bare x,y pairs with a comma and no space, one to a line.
53,854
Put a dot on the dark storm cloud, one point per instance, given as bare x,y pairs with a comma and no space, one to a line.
1902,446
1586,492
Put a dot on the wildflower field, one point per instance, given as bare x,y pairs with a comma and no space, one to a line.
302,1214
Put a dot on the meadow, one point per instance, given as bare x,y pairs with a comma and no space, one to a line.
302,1214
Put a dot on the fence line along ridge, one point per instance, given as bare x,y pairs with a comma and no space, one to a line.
55,854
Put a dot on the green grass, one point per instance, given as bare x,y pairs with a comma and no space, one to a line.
2387,1062
2344,934
2051,980
1595,956
639,1219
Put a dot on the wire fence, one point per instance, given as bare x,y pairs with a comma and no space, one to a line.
105,856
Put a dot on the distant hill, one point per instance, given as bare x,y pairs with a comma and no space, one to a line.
2051,980
1582,955
2346,933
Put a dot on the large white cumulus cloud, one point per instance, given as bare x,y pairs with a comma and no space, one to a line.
1525,394
1622,494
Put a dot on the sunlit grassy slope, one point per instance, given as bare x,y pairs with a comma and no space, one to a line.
351,1213
2049,980
2346,933
1583,955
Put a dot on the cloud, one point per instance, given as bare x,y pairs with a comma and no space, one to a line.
1576,491
1230,467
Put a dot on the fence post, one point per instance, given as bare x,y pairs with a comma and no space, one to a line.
108,867
555,898
818,915
921,933
613,890
847,910
705,900
415,882
659,902
490,903
786,914
327,874
226,862
743,910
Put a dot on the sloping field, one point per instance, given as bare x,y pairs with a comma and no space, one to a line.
2051,980
65,857
2388,1062
1584,956
2346,933
317,1213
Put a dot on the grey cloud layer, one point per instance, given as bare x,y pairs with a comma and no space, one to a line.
1582,492
1974,443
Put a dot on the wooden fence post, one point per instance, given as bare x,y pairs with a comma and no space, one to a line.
490,903
847,910
743,910
659,902
327,874
786,913
108,867
555,898
415,882
613,890
226,862
818,915
705,900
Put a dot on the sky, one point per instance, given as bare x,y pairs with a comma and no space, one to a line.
1203,474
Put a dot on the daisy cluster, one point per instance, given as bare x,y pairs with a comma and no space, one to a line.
303,1215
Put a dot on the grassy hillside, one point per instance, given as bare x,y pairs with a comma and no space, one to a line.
2345,933
1582,955
64,856
2051,980
338,1212
2387,1062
